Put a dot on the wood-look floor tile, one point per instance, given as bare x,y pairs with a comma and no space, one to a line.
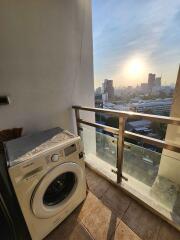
144,223
69,229
86,207
123,232
116,200
97,185
70,232
168,232
101,221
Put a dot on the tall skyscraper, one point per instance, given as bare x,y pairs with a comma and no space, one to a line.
107,88
151,80
158,82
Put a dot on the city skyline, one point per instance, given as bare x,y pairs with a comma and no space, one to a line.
131,40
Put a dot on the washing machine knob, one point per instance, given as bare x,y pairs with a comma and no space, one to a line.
55,158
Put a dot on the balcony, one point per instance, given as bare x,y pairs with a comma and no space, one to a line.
109,213
149,176
46,67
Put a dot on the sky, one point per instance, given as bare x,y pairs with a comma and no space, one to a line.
132,38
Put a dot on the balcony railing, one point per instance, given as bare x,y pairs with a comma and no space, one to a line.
138,159
121,133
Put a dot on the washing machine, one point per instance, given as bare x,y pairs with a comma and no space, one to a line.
47,171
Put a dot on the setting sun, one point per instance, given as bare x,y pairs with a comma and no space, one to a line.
134,67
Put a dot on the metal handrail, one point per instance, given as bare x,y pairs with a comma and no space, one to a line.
121,132
130,114
131,135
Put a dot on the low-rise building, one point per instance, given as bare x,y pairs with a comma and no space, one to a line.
159,106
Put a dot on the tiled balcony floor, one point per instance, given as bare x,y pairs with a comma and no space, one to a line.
107,213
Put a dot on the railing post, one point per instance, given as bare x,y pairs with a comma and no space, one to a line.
120,148
77,115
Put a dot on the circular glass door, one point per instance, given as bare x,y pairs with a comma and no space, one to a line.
59,189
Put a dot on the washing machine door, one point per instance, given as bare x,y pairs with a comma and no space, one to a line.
57,190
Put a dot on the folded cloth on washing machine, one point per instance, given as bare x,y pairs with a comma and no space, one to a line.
17,148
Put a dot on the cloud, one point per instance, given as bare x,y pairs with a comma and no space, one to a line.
124,28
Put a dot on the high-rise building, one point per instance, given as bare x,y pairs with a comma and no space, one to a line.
158,82
107,88
144,88
98,91
151,80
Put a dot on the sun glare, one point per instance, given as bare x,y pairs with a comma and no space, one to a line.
134,68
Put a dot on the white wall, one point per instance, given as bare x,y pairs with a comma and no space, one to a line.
46,62
170,161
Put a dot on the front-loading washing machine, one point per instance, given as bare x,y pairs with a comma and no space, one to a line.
47,171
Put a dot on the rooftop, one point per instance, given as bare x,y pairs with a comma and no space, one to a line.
108,213
139,123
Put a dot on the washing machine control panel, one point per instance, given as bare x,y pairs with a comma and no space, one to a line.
60,155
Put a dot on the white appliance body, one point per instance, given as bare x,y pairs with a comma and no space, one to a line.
49,185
